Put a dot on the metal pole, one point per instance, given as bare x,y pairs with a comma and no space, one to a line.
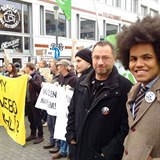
56,8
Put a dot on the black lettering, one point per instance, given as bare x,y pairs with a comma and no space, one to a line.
13,125
3,85
52,105
10,105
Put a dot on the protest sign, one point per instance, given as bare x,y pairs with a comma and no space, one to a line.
63,102
12,103
55,100
47,98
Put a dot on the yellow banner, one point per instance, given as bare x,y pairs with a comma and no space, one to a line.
12,104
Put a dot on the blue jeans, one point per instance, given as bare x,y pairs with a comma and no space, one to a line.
63,148
51,120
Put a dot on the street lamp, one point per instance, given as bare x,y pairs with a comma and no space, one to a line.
56,8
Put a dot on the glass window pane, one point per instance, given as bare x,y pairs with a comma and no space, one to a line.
13,43
135,6
87,29
26,44
51,27
153,12
50,23
144,10
62,25
111,29
118,3
26,18
10,13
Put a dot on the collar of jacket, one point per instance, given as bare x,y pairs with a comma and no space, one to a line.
111,82
87,71
134,90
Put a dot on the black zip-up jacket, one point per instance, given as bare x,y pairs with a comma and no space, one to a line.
34,87
70,79
95,132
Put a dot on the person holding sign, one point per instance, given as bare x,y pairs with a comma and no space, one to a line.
11,71
66,78
34,114
51,120
139,50
97,119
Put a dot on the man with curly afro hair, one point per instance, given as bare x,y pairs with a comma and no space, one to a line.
138,48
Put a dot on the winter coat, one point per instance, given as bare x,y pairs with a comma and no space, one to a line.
34,87
97,133
84,74
143,139
70,79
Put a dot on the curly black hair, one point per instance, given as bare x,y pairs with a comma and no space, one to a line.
146,30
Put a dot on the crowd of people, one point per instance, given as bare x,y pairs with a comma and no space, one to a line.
109,118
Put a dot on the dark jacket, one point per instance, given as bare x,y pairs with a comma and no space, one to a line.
34,87
84,74
95,132
70,79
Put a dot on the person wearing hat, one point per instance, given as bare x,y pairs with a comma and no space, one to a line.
83,60
66,78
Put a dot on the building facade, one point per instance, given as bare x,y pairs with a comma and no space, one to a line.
28,29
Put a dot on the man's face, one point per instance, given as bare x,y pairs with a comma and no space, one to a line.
81,65
9,68
26,69
103,61
53,67
41,64
143,63
60,68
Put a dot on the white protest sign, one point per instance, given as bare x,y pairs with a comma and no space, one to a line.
47,99
63,102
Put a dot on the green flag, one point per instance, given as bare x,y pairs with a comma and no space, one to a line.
65,5
112,39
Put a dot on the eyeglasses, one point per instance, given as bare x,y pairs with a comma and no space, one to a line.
104,58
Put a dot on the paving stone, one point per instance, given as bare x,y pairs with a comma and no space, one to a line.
10,150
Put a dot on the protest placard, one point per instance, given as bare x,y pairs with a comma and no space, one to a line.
12,103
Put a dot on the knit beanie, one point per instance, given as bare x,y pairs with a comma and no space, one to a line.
85,54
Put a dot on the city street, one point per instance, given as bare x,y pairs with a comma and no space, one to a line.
10,150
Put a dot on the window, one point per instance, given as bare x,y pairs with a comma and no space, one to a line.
135,6
118,3
51,27
87,29
11,20
62,25
144,11
27,44
26,18
111,29
153,12
129,5
42,20
13,43
11,16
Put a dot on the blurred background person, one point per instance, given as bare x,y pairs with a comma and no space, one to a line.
83,62
34,114
51,120
11,71
66,78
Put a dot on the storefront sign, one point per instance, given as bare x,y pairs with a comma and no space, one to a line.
14,43
10,16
